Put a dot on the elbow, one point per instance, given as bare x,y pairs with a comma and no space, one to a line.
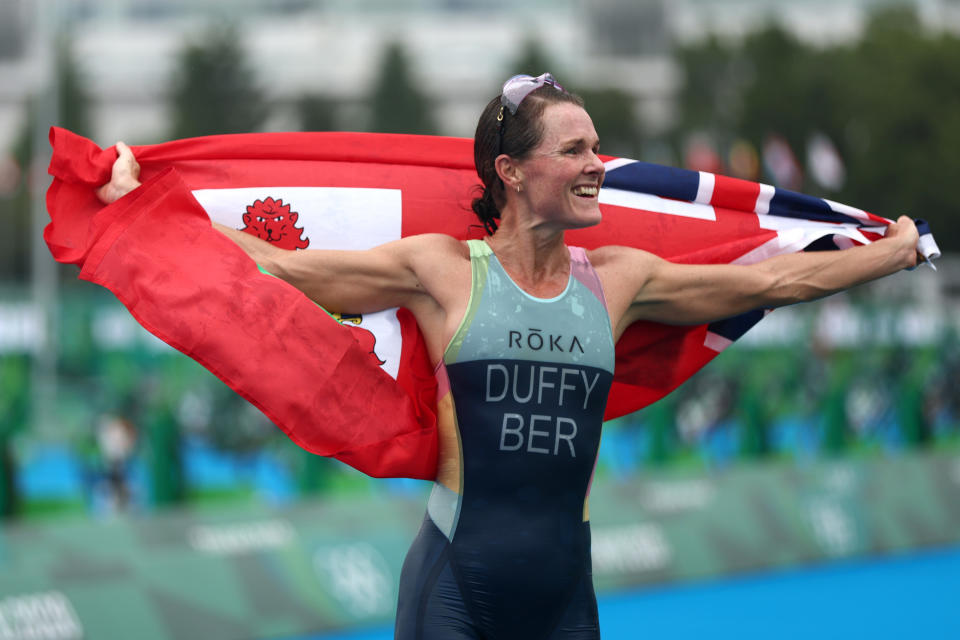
290,267
273,262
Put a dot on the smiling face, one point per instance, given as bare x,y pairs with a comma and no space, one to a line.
561,177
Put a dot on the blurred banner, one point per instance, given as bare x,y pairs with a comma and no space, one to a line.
266,573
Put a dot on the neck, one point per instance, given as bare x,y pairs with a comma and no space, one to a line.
532,254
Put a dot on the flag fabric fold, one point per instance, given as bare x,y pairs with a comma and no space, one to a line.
361,388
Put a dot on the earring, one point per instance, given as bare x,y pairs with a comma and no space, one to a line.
518,188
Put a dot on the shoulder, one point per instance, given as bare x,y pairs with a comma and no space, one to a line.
440,262
614,258
623,272
438,242
431,250
425,248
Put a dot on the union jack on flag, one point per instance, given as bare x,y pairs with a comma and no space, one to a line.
768,222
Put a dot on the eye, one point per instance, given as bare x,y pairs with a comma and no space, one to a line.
260,218
278,218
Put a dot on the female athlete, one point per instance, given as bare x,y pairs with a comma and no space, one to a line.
522,330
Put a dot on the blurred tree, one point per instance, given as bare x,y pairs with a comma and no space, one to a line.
836,432
214,90
73,112
534,60
660,419
14,409
160,403
714,75
73,101
163,452
611,109
313,473
317,113
781,95
615,121
890,103
754,412
901,120
397,104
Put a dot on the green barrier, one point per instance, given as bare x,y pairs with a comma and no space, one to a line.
667,527
228,574
262,572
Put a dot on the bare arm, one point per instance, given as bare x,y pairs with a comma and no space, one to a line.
353,281
662,291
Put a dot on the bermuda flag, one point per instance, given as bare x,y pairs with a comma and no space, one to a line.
360,388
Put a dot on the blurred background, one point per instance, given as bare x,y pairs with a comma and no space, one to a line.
138,493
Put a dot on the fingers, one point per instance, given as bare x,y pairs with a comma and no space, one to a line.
124,176
126,164
903,227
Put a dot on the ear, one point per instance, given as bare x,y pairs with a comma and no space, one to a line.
509,171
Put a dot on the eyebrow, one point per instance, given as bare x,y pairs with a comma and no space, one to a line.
567,141
564,142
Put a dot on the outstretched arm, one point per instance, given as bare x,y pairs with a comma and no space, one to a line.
672,293
365,281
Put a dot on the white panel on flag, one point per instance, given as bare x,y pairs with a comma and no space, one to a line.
762,207
795,235
656,204
327,218
705,187
846,209
616,163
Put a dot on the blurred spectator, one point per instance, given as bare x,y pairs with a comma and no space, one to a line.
116,439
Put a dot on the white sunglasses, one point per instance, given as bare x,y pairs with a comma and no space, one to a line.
519,87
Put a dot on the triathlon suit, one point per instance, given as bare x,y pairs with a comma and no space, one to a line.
505,553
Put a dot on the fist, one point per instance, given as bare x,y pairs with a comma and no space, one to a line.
904,231
124,177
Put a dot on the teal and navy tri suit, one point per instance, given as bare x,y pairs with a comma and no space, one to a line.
504,550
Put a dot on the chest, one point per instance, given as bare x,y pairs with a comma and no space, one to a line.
504,322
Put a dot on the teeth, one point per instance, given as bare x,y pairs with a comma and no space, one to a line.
585,191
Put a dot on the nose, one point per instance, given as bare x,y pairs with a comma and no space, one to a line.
596,167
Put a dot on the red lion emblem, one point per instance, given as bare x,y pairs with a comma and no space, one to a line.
271,220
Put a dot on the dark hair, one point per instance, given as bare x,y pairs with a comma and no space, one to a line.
522,132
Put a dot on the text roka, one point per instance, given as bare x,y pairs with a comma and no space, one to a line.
541,386
535,341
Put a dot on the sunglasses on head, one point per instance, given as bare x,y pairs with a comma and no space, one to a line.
514,91
519,87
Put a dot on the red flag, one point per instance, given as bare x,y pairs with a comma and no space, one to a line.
361,388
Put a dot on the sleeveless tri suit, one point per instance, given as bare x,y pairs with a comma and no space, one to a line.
505,553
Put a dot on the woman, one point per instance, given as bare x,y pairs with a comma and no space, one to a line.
522,329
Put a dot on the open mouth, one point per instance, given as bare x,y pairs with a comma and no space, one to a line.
586,191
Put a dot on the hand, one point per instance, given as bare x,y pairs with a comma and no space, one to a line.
904,231
123,178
